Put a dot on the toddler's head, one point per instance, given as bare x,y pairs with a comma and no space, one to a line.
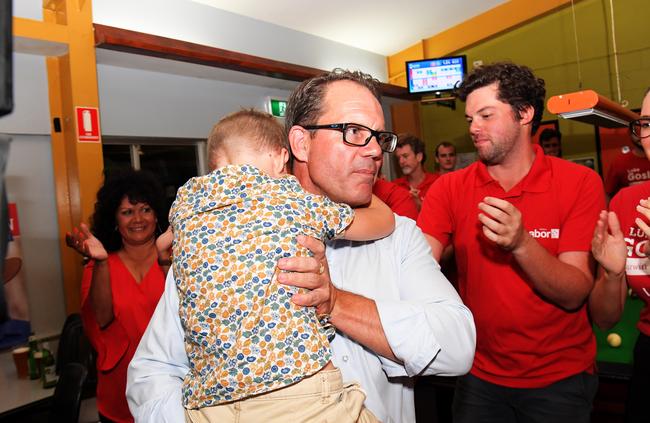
249,137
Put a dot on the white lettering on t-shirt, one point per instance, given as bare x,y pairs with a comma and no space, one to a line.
545,233
637,266
635,175
636,249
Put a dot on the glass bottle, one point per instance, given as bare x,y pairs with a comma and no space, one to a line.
48,369
34,371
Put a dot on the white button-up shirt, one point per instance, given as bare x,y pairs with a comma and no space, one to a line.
426,324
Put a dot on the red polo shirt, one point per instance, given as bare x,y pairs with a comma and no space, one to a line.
627,169
637,267
429,179
523,341
396,197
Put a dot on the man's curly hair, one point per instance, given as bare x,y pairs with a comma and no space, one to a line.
517,86
139,187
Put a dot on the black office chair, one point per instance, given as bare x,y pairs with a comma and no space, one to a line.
74,347
67,394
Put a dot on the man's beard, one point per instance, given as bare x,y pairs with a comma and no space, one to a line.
495,154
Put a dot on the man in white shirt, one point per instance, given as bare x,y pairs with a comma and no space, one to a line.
396,315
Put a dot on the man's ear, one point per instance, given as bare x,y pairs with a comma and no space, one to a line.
300,140
527,115
419,157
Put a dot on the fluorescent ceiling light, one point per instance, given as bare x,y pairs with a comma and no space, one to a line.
590,107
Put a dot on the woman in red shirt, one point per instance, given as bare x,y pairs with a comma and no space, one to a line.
621,247
123,280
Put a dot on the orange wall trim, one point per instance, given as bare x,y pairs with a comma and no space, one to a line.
477,29
45,31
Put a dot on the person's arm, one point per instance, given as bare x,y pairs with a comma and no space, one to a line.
155,375
100,294
372,222
427,331
101,297
356,316
565,280
436,247
607,299
164,249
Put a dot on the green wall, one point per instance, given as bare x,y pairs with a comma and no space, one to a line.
547,45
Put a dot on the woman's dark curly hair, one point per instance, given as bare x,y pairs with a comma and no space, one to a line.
139,187
518,87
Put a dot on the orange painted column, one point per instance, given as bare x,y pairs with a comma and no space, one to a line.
72,81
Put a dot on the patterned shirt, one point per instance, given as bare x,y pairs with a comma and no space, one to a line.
243,335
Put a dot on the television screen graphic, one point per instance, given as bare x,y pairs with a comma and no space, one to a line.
435,75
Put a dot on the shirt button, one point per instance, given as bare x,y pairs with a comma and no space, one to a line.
345,358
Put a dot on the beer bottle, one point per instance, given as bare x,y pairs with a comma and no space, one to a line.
48,369
34,371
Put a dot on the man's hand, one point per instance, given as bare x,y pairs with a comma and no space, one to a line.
311,273
608,245
415,193
502,223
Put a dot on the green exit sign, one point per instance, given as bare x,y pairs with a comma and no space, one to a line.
278,107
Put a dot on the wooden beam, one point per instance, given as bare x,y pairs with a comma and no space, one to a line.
118,39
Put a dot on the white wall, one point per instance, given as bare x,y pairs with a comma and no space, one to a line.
31,113
201,24
144,103
30,185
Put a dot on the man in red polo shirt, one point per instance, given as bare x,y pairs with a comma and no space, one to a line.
411,157
445,157
521,224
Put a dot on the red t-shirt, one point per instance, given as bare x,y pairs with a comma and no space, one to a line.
133,305
637,268
429,179
626,169
396,197
523,341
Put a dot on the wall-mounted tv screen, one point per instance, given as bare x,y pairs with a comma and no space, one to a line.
434,76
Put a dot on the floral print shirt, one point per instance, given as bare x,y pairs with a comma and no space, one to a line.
243,335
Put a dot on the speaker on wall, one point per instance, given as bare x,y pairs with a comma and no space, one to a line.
6,67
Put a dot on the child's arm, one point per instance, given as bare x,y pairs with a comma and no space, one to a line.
372,222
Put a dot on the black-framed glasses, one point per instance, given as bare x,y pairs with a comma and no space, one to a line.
641,127
358,135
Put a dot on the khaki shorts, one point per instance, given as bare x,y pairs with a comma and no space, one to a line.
321,398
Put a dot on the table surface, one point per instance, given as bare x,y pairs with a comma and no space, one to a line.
618,360
14,392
